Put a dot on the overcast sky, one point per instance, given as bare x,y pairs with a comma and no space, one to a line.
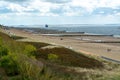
30,12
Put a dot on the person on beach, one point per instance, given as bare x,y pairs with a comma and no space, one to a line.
108,50
61,38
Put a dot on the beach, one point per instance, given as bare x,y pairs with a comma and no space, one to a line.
106,46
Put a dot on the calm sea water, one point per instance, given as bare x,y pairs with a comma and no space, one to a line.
90,29
106,30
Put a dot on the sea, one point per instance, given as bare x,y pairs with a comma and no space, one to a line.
89,29
109,29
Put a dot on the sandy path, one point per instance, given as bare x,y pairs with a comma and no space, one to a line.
77,45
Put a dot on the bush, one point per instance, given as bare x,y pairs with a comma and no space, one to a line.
29,68
3,51
9,65
30,50
0,77
16,37
0,41
68,57
52,57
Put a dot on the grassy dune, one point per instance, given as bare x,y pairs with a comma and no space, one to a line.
68,57
29,61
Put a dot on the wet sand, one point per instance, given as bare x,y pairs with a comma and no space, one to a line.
77,43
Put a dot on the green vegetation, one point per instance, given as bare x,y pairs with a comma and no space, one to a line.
52,57
29,68
29,61
69,58
16,59
30,50
37,44
9,65
17,37
3,51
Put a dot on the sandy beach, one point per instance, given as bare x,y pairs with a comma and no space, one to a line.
77,43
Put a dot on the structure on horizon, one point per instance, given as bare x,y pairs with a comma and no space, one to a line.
46,25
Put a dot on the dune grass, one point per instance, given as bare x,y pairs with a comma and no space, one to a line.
14,63
37,44
70,58
17,37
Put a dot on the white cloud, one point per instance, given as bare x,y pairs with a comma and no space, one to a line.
16,7
91,5
57,1
117,14
43,7
3,16
101,12
68,6
109,3
106,10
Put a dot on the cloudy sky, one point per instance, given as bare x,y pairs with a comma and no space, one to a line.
31,12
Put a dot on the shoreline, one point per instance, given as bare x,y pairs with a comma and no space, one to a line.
100,49
55,32
74,34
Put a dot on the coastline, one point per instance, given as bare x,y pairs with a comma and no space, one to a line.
99,49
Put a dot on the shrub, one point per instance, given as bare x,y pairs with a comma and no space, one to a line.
52,57
9,65
0,77
16,37
29,68
0,41
30,50
3,51
68,57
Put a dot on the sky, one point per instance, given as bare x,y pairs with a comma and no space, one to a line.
35,12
